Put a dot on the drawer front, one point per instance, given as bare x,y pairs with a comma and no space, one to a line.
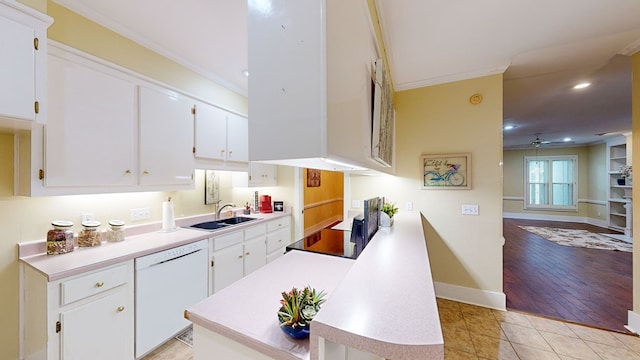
254,231
223,241
277,239
278,224
94,283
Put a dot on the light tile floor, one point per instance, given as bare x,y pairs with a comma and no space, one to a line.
472,332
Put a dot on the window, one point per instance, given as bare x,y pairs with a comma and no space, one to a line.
551,182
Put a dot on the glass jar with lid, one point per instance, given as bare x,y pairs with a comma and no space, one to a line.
115,232
89,235
60,238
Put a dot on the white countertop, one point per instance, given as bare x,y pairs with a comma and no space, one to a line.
140,241
246,311
386,305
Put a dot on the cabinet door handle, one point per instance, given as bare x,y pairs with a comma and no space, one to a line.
120,308
146,172
230,152
239,256
248,253
99,284
128,171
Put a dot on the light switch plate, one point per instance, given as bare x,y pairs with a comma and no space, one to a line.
470,209
355,204
409,206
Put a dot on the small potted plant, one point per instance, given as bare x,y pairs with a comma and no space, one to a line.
626,174
297,309
387,212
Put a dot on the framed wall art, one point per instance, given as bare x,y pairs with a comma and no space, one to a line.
211,187
447,171
313,178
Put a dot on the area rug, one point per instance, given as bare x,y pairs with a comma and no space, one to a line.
579,238
186,336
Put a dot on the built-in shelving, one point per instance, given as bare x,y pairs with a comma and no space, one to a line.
619,211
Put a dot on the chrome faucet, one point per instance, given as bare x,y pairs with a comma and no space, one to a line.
222,207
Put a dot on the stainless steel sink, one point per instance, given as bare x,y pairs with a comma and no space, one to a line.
222,223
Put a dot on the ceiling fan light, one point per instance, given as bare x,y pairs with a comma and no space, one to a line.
582,85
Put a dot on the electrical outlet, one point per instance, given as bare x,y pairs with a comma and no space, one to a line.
470,209
355,204
87,217
140,214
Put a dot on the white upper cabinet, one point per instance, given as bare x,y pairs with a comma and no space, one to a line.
23,37
237,138
166,137
91,131
221,136
310,86
210,139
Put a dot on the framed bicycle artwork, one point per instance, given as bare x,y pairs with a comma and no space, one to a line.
447,171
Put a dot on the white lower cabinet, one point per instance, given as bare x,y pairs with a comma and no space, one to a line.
278,237
235,255
254,254
99,329
88,316
227,267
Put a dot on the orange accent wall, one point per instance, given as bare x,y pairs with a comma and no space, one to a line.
323,204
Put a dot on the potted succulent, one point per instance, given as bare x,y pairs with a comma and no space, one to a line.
297,309
387,212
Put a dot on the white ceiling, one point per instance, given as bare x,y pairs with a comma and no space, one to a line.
543,47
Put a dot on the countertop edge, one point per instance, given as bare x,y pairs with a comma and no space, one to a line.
396,262
141,240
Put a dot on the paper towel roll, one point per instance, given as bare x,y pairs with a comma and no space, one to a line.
168,221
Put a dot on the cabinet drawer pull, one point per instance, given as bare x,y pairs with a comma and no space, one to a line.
146,172
248,253
99,284
128,171
120,308
239,256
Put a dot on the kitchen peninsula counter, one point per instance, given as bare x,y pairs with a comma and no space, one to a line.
382,304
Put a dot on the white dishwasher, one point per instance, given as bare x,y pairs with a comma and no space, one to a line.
167,283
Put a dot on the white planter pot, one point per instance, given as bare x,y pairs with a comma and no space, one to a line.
385,220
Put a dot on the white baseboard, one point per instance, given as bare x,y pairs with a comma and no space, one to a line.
545,217
633,320
489,299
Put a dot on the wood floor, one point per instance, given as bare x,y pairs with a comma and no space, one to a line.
586,286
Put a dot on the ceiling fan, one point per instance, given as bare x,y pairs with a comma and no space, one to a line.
540,142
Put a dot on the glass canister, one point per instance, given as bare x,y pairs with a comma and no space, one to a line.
115,232
89,235
60,238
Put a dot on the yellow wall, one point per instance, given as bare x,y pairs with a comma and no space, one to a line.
323,205
592,176
463,250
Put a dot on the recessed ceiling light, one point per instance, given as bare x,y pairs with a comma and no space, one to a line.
509,127
582,85
566,139
245,72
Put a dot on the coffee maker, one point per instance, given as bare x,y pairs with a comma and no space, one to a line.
265,204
